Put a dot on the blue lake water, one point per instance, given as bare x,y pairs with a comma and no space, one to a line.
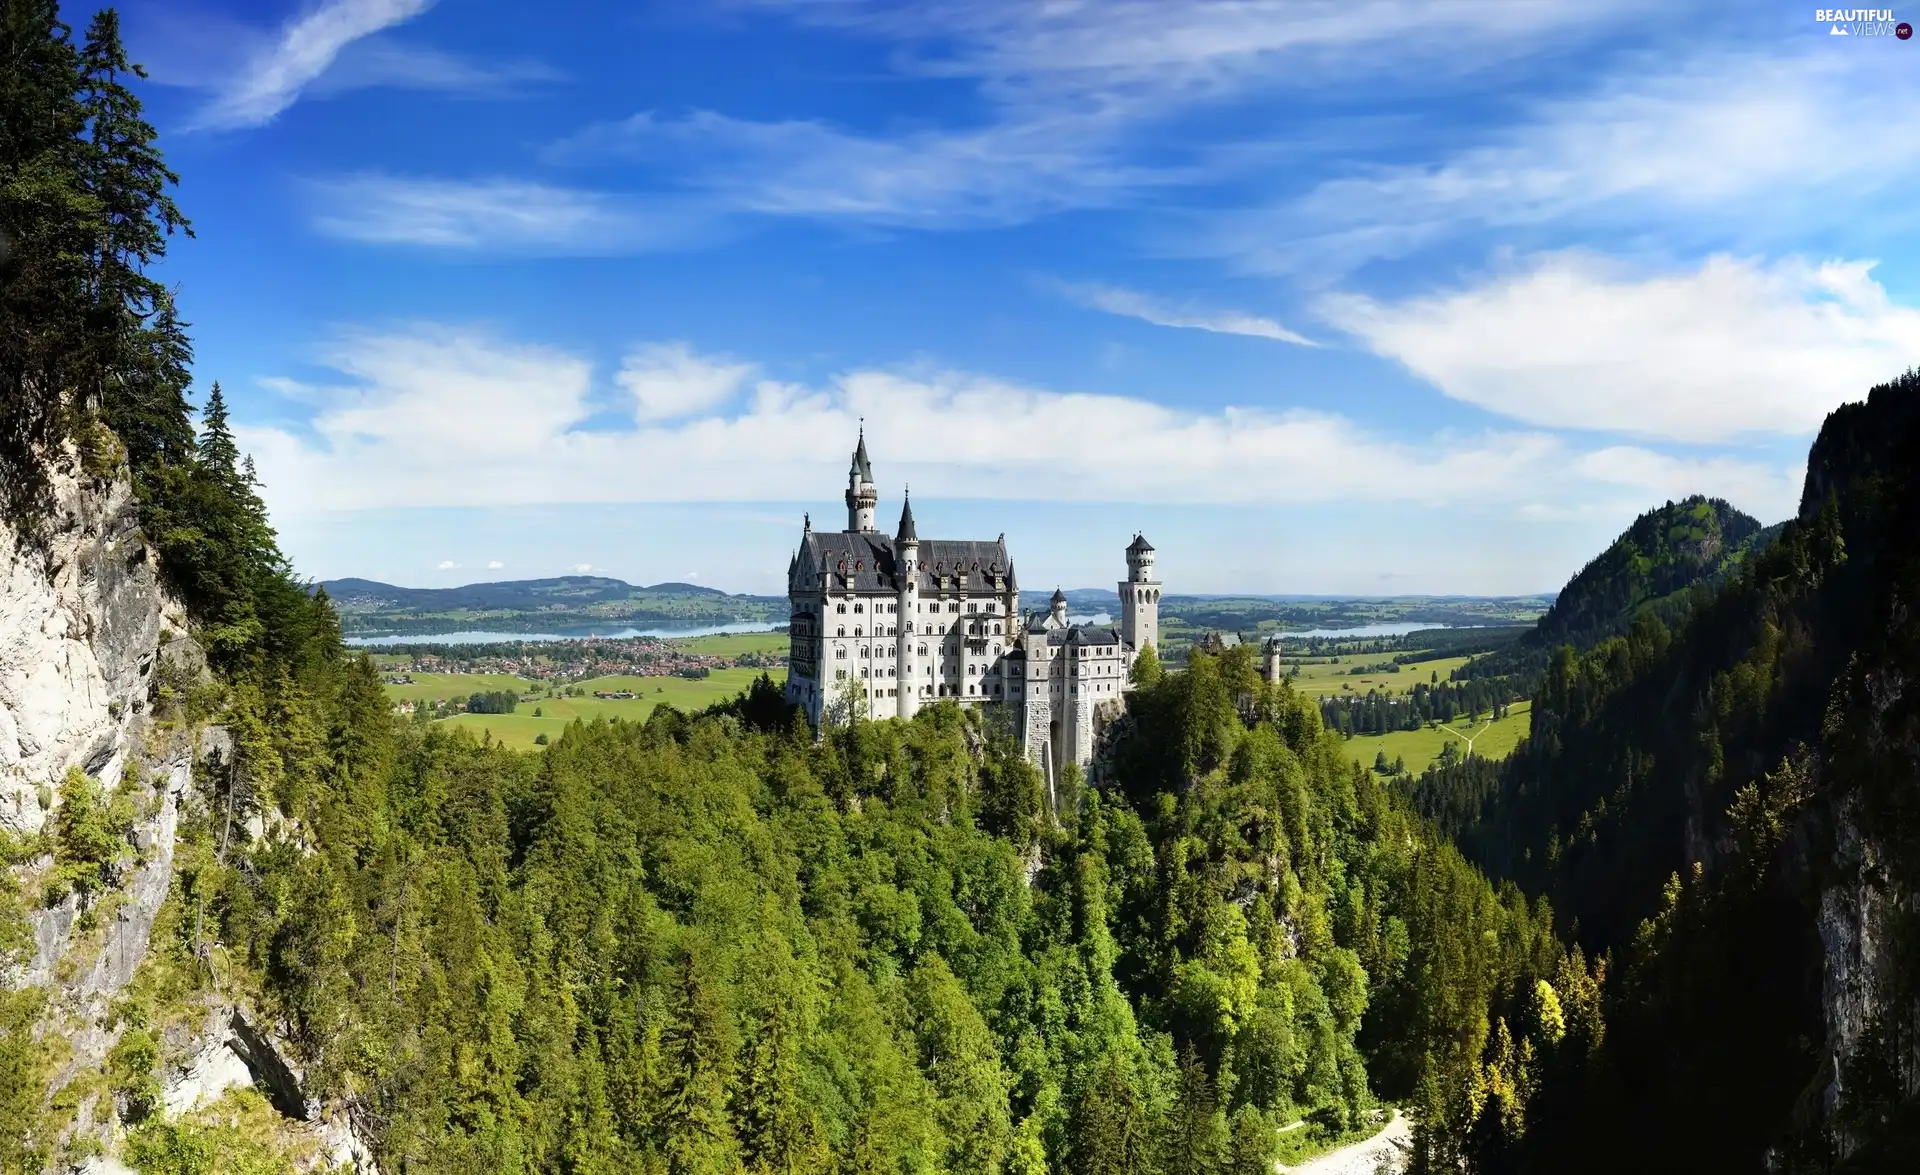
1395,628
493,638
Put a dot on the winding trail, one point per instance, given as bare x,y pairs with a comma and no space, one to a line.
1363,1157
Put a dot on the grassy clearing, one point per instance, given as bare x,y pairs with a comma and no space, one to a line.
428,686
1494,740
1323,678
734,644
520,728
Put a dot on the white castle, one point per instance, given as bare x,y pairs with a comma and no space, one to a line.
884,625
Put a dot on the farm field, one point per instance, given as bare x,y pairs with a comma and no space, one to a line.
1493,740
1321,678
428,686
519,728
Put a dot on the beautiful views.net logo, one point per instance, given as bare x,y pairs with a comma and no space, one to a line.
1862,22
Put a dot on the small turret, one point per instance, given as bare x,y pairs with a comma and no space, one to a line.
1058,610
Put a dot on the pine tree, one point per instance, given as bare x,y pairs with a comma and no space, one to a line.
1110,1129
1196,1138
779,1133
697,1056
218,450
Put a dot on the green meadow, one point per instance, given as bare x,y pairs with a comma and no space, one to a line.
428,686
1492,740
1322,678
734,644
520,728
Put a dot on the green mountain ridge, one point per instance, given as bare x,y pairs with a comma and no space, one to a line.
568,602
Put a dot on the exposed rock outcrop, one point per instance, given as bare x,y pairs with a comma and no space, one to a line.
82,619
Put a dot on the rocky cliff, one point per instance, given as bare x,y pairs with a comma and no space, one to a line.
82,621
96,663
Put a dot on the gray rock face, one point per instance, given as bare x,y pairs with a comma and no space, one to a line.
81,617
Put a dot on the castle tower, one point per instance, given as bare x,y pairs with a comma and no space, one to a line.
1140,598
1057,608
906,548
862,495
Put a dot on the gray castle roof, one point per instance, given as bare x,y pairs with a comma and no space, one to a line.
870,560
1140,543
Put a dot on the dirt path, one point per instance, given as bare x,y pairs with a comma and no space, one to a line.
1364,1157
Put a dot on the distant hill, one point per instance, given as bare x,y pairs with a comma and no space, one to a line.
1653,565
565,603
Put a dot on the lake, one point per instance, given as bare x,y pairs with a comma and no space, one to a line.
1393,628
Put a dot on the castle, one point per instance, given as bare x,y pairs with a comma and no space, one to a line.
882,625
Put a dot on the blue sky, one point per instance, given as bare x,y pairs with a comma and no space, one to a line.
1366,297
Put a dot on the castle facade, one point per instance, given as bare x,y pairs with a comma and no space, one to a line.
884,624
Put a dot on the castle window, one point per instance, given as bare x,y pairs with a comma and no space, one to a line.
996,629
840,654
863,671
923,650
972,607
969,689
840,608
841,631
859,607
840,675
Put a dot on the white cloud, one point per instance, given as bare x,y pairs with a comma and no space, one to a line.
582,568
494,565
1570,340
500,215
274,78
1132,304
668,380
446,565
425,410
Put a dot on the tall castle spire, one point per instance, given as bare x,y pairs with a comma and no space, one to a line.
863,497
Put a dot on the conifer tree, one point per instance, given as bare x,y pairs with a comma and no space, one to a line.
697,1061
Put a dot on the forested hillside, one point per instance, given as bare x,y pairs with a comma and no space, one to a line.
1728,808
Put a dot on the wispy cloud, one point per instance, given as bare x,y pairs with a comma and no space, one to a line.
386,61
274,78
1572,340
1077,101
1004,173
421,410
1739,145
1133,304
502,215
